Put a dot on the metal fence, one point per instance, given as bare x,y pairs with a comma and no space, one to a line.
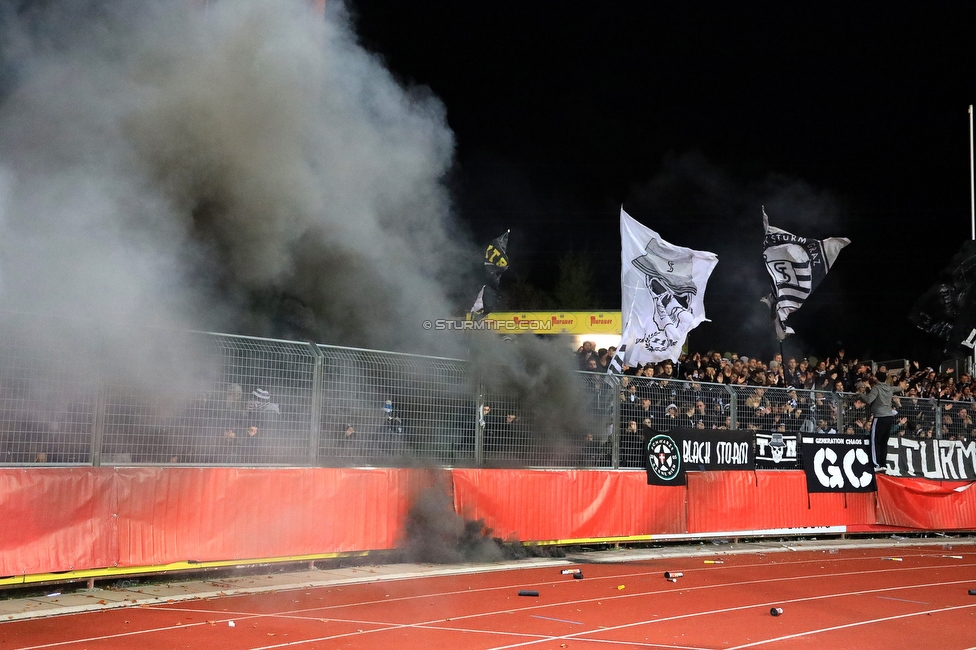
214,399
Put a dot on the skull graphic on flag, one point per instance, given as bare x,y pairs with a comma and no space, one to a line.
662,288
667,273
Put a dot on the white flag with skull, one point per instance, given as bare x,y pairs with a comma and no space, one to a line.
662,290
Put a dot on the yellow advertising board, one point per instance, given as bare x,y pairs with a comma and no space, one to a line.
556,322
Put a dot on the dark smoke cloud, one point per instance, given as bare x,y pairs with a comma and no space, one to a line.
537,378
434,532
242,165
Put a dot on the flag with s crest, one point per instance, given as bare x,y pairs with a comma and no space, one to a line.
796,265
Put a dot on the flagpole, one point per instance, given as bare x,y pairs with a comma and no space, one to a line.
972,178
972,207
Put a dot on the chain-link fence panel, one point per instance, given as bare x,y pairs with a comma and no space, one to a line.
663,405
70,396
955,421
785,410
385,408
47,392
216,399
547,420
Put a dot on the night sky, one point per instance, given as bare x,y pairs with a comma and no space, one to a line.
844,120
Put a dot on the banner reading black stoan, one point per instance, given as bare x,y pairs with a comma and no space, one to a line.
668,455
838,463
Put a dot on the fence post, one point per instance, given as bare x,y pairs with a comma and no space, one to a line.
315,417
733,408
938,421
615,424
839,409
98,427
479,429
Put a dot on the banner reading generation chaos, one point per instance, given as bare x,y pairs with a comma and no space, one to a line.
838,463
668,455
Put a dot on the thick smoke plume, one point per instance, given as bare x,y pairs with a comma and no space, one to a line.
242,166
239,165
436,533
534,379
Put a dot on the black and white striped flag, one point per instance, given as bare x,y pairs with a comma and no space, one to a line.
616,365
796,265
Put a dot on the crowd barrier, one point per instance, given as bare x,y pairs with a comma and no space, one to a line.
162,450
85,521
188,398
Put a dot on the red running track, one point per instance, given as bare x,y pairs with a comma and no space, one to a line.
854,598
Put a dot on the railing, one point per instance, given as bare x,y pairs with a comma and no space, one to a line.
215,399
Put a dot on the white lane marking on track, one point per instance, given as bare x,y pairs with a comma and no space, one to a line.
558,620
850,625
578,635
613,578
390,625
904,600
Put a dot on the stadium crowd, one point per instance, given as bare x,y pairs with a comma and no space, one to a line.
381,419
791,396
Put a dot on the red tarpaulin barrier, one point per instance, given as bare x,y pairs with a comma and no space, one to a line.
543,505
63,519
926,504
732,501
72,519
56,519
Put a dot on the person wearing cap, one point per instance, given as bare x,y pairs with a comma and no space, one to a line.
262,417
670,420
879,398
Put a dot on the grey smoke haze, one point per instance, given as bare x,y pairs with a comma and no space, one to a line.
729,211
537,380
241,165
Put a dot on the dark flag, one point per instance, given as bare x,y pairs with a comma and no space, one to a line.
948,309
496,262
796,265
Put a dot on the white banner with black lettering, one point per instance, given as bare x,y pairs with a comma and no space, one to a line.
838,463
941,460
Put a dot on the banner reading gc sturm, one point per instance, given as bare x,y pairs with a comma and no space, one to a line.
668,455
